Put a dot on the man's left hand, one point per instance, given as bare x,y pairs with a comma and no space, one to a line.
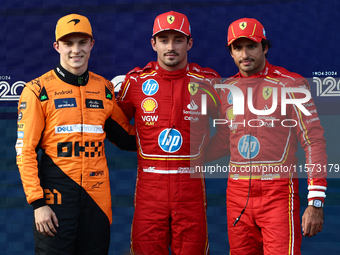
312,221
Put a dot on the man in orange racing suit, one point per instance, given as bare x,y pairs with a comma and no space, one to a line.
165,100
263,195
63,112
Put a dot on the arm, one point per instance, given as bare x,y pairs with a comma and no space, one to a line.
218,146
119,131
31,123
310,135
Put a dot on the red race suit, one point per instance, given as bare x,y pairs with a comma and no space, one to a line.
171,133
263,162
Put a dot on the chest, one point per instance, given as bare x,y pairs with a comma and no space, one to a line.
157,100
77,104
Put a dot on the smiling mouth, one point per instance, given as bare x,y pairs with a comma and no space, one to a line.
76,57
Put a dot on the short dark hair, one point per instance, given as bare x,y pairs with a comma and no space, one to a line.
264,43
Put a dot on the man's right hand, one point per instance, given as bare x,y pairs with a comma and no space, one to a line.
45,220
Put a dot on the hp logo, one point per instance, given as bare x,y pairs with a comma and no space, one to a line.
150,87
170,140
248,146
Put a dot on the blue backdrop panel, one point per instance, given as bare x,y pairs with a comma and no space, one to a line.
304,34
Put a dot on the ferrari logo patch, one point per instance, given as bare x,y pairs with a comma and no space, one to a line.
170,19
266,92
243,25
193,87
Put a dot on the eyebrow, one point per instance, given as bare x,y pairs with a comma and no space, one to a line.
177,36
249,44
82,40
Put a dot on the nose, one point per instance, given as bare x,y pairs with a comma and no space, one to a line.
76,49
244,53
171,45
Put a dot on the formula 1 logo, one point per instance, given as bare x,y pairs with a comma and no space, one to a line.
150,87
248,146
170,140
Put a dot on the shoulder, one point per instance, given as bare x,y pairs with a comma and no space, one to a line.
206,72
287,78
148,69
281,72
138,74
38,84
102,81
96,77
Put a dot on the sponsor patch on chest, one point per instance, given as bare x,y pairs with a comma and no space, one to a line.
65,103
94,104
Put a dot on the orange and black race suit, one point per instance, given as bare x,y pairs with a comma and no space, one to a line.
64,116
263,164
171,132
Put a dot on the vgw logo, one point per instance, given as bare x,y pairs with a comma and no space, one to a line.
170,140
248,146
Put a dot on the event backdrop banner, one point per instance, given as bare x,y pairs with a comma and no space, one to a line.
304,34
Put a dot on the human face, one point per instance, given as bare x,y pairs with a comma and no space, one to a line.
74,52
249,56
171,47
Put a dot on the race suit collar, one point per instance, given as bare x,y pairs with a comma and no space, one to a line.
70,78
172,74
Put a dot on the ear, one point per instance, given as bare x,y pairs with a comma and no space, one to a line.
190,43
231,52
92,43
265,50
56,46
153,44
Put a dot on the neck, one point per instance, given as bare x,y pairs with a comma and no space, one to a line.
75,71
255,71
68,77
180,65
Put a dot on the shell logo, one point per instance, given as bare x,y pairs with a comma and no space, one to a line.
149,105
230,114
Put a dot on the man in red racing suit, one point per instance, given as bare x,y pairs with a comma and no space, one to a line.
165,100
63,113
262,195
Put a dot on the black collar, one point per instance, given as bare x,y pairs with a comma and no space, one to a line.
70,78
